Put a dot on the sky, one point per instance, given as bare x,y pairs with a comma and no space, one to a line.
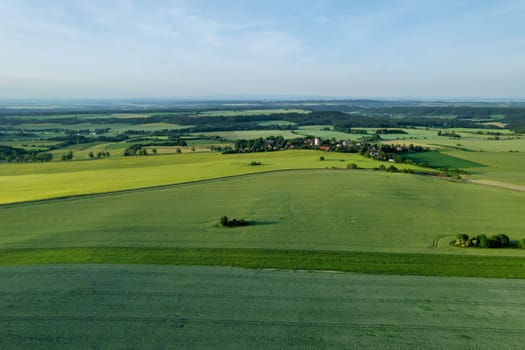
249,48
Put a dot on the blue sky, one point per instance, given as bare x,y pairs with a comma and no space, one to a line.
198,48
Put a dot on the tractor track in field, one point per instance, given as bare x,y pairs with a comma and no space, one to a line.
499,184
435,241
181,322
171,295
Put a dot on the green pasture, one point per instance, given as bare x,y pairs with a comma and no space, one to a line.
469,139
249,134
29,144
441,116
142,115
435,159
352,210
144,306
251,112
154,127
317,131
499,166
77,126
64,116
276,122
205,142
115,127
81,151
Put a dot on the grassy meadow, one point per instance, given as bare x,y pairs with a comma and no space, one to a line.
248,134
251,112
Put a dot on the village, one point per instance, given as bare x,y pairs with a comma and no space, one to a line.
364,146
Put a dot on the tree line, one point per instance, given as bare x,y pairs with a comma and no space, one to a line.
21,155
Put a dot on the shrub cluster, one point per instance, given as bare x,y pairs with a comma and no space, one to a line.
224,221
99,155
482,241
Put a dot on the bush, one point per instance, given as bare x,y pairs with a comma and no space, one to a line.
352,166
321,158
225,222
505,240
391,169
462,237
462,240
494,241
521,243
483,241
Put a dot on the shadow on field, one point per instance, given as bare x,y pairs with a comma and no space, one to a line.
262,222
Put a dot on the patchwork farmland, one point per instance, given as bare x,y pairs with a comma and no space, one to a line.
116,240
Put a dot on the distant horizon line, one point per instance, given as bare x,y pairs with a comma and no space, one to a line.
265,98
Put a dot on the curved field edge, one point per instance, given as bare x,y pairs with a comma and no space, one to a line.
29,182
361,262
152,188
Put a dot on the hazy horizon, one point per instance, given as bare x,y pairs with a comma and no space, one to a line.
466,50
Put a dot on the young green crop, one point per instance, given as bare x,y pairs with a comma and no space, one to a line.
353,210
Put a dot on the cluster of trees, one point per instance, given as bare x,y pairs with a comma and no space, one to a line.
226,222
21,155
170,133
391,168
350,130
135,150
482,241
67,156
390,131
99,155
271,143
74,139
138,149
451,134
395,152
